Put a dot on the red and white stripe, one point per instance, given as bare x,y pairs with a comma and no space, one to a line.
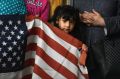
54,54
50,54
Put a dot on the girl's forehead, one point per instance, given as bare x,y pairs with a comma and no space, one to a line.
66,18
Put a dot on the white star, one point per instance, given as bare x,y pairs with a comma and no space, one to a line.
4,43
14,43
15,27
1,22
9,37
4,54
19,22
0,49
4,65
18,37
0,59
3,33
21,32
9,59
22,42
6,27
21,52
13,33
9,48
19,48
13,64
18,58
10,22
14,54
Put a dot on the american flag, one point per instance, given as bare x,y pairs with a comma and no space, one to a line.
51,53
13,31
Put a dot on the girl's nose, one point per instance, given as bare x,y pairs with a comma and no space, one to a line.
67,24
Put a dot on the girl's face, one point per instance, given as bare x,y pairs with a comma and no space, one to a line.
65,25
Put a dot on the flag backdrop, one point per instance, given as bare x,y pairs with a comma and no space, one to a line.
50,53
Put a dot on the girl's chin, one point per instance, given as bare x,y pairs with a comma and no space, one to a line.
67,31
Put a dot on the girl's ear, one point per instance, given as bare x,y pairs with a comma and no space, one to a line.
57,20
57,23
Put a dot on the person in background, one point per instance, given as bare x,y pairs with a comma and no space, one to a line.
39,8
100,20
10,7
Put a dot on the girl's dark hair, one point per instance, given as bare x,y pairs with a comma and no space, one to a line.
67,12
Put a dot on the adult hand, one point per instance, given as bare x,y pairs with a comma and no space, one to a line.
92,18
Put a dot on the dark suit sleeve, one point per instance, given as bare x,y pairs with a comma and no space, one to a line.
113,23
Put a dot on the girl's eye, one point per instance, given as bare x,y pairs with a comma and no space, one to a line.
64,20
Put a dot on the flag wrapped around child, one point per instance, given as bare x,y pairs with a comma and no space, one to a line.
51,53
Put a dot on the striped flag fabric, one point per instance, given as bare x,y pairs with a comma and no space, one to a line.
51,53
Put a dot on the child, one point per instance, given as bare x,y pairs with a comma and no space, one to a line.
38,8
66,18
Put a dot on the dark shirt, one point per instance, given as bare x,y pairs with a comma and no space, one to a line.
109,9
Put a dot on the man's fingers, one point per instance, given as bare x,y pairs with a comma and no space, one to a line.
95,12
86,12
87,21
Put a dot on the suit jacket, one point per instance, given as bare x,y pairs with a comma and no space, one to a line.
110,11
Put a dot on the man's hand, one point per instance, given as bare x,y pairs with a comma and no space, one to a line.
92,18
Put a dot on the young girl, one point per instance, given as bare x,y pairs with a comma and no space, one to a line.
38,8
66,18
